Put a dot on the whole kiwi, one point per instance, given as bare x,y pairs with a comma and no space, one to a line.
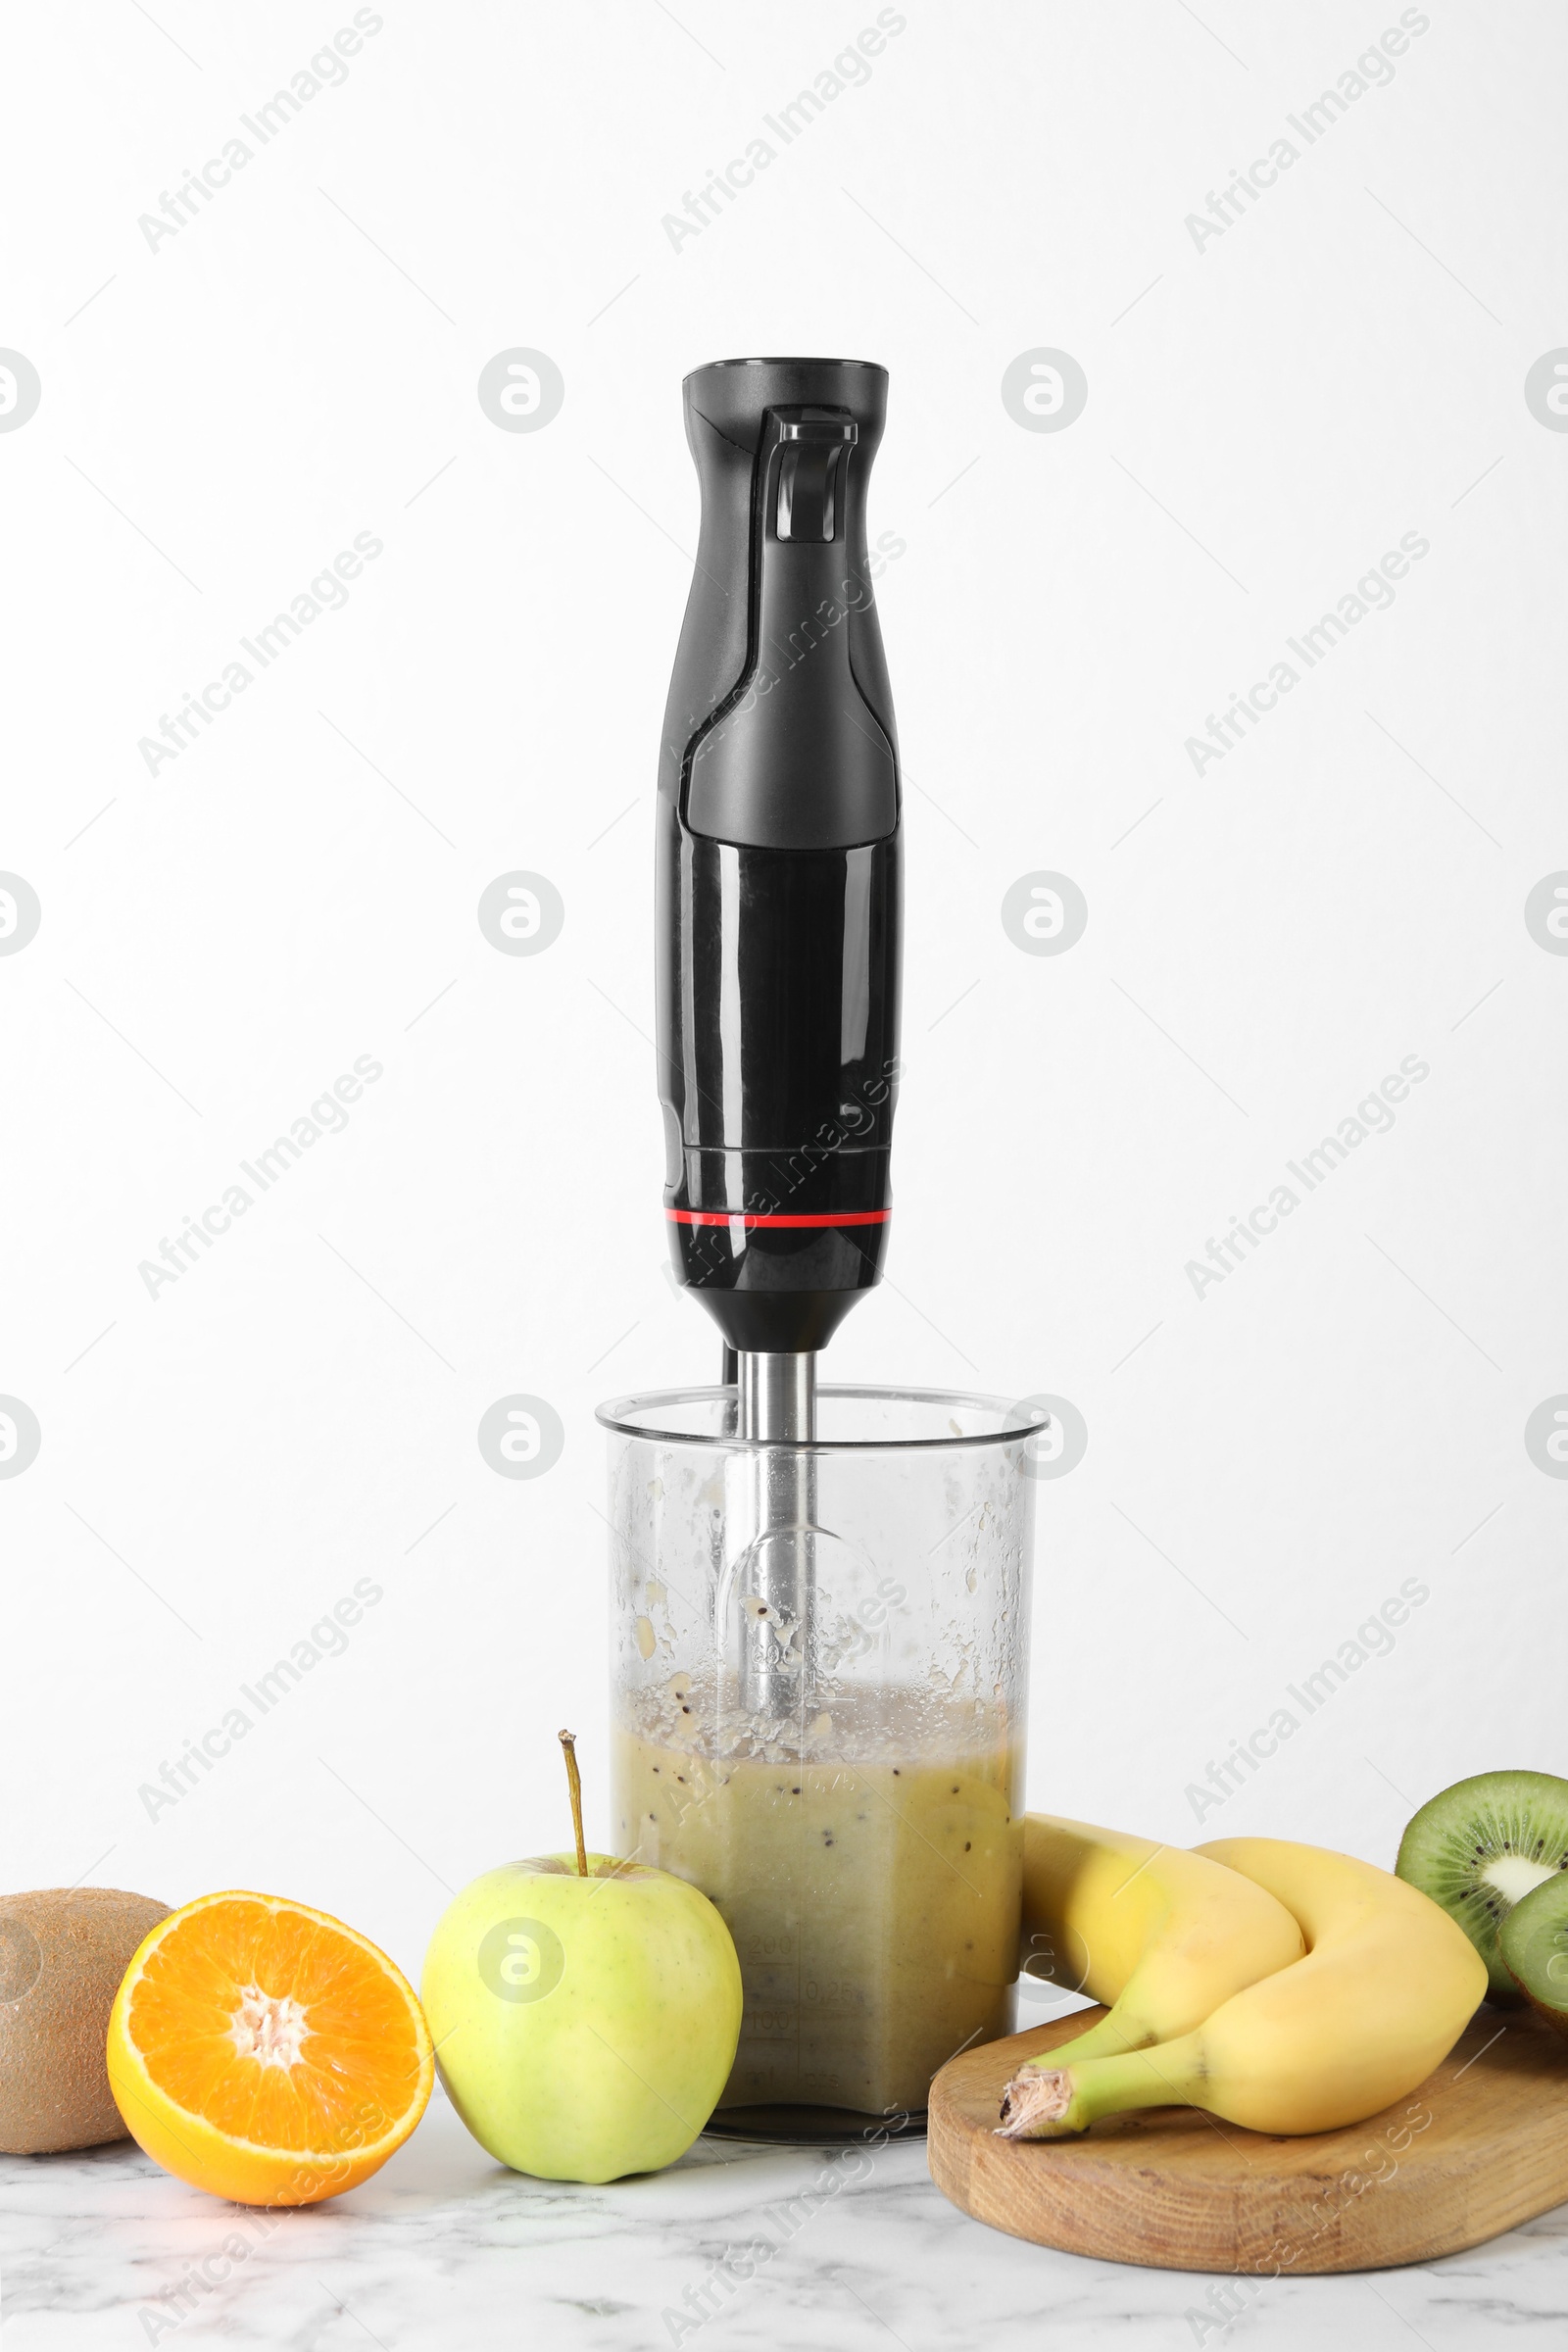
63,1951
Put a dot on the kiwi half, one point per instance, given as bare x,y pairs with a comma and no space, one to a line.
1533,1943
1483,1845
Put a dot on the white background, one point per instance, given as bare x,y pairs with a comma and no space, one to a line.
1266,415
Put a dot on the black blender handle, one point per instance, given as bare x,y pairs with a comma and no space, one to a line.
779,729
779,862
795,757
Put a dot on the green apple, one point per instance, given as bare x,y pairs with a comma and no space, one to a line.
585,2013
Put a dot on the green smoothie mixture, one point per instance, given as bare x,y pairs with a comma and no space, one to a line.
872,1887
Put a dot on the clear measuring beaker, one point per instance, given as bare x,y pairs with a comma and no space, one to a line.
841,1775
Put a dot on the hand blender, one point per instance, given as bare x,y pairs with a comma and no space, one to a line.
778,906
819,1604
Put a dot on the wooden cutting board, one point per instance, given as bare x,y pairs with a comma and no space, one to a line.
1480,2147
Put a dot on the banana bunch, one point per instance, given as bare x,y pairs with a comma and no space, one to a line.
1386,1987
1160,1935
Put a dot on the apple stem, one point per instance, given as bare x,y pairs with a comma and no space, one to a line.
568,1740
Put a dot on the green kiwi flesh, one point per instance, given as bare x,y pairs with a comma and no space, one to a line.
1533,1943
1485,1845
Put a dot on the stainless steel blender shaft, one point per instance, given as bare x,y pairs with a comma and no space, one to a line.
777,1408
777,1396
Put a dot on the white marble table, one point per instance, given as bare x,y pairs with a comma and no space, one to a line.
445,2249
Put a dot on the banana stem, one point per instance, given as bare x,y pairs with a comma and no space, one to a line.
1052,2102
1112,2038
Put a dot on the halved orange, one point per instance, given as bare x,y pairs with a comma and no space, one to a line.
265,2051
